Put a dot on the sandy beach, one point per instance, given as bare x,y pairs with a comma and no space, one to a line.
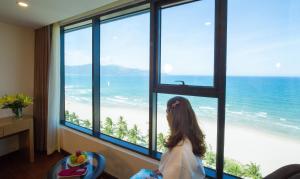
241,143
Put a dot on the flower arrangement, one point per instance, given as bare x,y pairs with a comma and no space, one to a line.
15,102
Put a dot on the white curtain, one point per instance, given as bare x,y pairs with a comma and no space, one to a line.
53,143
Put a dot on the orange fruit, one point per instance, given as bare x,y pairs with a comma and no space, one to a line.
80,159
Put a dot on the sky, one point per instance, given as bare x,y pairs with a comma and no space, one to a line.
263,39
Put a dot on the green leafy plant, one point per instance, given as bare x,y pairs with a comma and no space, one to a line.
15,101
210,158
87,123
161,140
133,135
121,130
252,170
108,126
73,118
233,167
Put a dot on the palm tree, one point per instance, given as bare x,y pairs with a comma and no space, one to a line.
210,157
87,124
133,134
121,130
74,118
108,126
143,140
67,115
161,140
253,170
233,167
76,121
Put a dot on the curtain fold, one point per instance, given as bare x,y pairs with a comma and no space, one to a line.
41,77
54,92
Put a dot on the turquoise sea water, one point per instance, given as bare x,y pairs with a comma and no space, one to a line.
267,103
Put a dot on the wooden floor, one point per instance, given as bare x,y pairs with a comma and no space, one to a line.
15,166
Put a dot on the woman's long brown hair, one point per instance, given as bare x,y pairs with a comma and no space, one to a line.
184,125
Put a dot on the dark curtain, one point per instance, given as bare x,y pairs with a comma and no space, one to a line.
41,76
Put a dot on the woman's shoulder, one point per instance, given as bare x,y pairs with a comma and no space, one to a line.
182,148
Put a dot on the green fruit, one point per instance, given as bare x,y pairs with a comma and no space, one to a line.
73,159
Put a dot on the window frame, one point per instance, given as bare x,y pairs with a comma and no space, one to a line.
217,90
207,91
119,142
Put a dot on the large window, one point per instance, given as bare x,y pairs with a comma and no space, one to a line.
121,67
78,77
118,73
124,76
263,86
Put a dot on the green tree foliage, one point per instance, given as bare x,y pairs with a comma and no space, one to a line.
87,124
67,115
252,170
233,167
210,158
144,140
134,136
108,127
73,118
161,140
121,130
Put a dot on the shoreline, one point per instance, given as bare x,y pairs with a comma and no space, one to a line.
242,143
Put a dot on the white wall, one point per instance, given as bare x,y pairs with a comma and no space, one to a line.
16,70
120,162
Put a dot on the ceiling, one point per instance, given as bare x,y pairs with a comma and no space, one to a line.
44,12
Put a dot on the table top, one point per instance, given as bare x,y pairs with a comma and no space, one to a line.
11,120
95,166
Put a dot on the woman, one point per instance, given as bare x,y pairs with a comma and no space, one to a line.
185,145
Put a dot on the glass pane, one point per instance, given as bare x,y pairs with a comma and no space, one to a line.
124,76
78,77
187,44
263,87
206,112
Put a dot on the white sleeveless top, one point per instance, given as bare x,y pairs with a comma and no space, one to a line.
181,163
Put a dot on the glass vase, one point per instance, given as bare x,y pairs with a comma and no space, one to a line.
17,112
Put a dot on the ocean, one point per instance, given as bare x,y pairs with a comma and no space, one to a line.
271,104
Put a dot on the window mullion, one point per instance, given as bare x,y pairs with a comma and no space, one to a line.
62,75
96,74
154,74
220,78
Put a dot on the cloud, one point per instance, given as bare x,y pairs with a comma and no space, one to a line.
77,57
278,65
207,23
168,68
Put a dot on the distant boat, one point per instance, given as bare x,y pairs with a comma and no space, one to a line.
108,83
